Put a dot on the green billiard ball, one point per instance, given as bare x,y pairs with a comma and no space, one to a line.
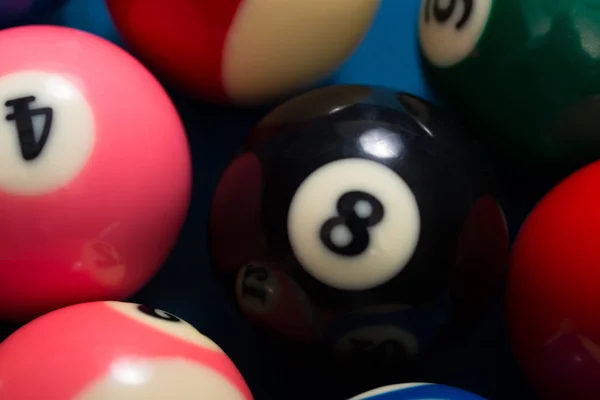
523,73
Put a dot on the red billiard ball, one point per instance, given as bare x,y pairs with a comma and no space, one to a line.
243,51
95,171
116,351
553,290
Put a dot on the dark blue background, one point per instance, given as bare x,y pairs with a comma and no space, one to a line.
187,285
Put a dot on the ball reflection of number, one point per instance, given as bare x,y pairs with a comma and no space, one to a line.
257,289
382,341
274,300
101,261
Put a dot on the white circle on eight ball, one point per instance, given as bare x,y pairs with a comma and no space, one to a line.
47,132
354,224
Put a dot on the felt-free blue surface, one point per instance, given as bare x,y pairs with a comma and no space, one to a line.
187,286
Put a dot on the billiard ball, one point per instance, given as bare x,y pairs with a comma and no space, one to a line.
417,391
14,12
95,171
553,290
245,52
349,198
116,351
522,73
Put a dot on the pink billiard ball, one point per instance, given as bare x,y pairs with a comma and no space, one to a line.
95,171
115,351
